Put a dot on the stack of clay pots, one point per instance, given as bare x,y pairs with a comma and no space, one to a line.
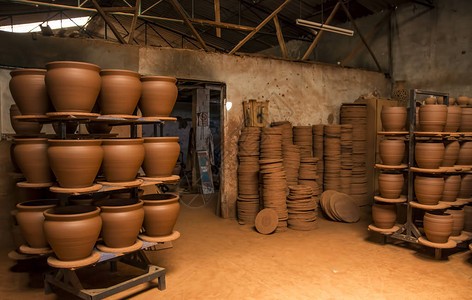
332,157
384,215
302,208
438,226
308,173
303,137
318,152
290,152
346,159
274,189
248,175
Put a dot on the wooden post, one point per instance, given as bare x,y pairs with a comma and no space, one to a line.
181,11
108,22
280,37
201,125
133,21
217,17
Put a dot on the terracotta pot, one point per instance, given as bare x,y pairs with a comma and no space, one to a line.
120,92
466,120
433,117
452,185
452,101
465,154
453,119
466,186
21,127
451,152
28,89
429,155
98,128
429,190
462,100
122,220
393,118
32,158
73,86
390,185
437,226
430,100
392,151
72,230
468,218
30,218
458,215
160,213
161,154
75,162
122,159
158,96
71,127
384,215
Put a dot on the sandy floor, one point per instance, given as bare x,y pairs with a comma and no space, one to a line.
218,259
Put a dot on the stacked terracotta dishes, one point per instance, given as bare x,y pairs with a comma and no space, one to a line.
302,208
318,137
339,207
303,137
287,131
332,157
271,143
346,158
290,152
248,175
308,173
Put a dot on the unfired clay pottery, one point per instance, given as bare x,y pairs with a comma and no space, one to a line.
451,152
120,92
452,185
384,215
453,119
122,220
98,128
468,218
457,214
392,151
393,118
122,158
28,89
429,155
429,190
30,219
466,186
437,226
465,154
22,127
158,96
466,120
430,100
73,86
75,162
433,117
161,154
160,213
72,230
462,100
390,185
32,158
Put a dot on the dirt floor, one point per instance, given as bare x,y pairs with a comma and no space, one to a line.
219,259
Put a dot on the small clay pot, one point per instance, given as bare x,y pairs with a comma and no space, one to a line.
429,155
433,117
384,215
22,127
161,154
452,185
30,218
466,120
465,154
28,89
462,100
98,128
160,213
120,92
392,152
158,96
122,220
451,153
458,215
122,159
466,186
32,158
453,119
430,100
390,185
429,190
393,118
72,230
73,86
437,226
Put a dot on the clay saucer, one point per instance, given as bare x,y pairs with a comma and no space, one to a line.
160,239
25,184
345,208
134,247
24,249
61,264
266,221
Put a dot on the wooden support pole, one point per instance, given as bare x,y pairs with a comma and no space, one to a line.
280,37
108,22
320,32
182,13
263,23
217,17
133,21
118,9
222,24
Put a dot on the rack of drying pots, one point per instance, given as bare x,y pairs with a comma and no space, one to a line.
108,224
437,167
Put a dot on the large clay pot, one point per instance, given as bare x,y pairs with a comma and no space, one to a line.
122,220
429,190
73,86
22,127
468,218
393,118
429,155
458,215
451,152
161,154
466,186
30,218
122,159
31,155
437,226
453,119
452,185
433,117
160,213
28,89
390,185
384,215
392,152
466,120
465,154
75,162
120,92
158,96
72,230
462,100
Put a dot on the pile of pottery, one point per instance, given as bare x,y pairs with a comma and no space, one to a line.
287,131
302,136
318,152
302,208
274,189
308,173
332,157
339,207
248,175
393,118
384,215
346,159
290,152
271,143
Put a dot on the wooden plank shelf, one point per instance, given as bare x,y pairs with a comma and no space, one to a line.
92,117
388,167
392,132
440,205
455,169
402,199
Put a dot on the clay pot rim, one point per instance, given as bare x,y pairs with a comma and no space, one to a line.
148,199
433,107
72,64
28,72
394,108
161,139
158,78
30,140
122,141
107,205
42,204
437,214
66,213
54,142
105,72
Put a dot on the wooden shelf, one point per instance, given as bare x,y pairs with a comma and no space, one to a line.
392,132
449,245
441,134
455,169
388,167
388,231
92,117
440,205
402,199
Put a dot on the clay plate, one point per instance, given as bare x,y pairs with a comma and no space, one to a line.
266,221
